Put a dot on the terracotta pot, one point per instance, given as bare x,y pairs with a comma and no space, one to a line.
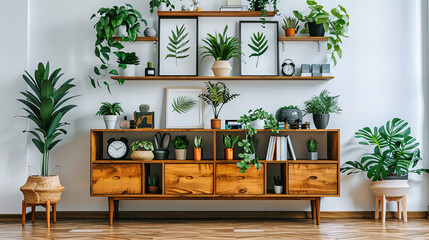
390,188
153,189
197,154
40,189
216,123
221,68
142,155
180,154
290,32
229,153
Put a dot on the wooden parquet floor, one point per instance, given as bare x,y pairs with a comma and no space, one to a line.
217,229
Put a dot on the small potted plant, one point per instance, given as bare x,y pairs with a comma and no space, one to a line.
162,5
229,142
221,48
260,119
289,114
142,150
110,113
153,184
321,107
260,5
180,143
127,63
150,70
278,185
161,144
290,26
312,145
197,148
217,95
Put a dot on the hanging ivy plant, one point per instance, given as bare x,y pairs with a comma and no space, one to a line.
110,19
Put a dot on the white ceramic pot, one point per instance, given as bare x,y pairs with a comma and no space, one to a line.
278,189
257,124
162,7
390,188
110,121
312,155
120,31
142,155
130,71
180,154
221,68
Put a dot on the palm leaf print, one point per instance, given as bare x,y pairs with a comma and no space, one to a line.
260,46
177,45
183,104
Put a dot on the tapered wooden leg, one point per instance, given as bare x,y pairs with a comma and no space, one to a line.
404,207
399,209
111,210
54,212
313,210
383,208
116,204
48,214
33,214
24,211
318,211
377,207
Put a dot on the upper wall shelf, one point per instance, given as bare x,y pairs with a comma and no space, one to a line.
214,14
140,39
234,78
305,39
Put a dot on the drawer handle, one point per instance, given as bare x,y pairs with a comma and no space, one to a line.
116,177
240,177
243,191
313,177
189,177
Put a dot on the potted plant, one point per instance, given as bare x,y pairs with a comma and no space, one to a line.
161,144
153,184
260,5
278,185
162,5
229,142
127,63
395,155
321,106
290,26
180,144
289,114
43,102
150,70
109,111
197,148
110,19
221,48
142,150
312,145
248,143
217,96
335,23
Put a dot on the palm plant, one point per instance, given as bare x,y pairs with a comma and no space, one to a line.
221,47
44,105
178,44
217,95
183,104
109,109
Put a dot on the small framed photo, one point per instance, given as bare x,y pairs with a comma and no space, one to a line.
259,43
184,109
178,46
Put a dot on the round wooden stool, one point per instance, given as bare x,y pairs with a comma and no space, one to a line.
402,204
46,205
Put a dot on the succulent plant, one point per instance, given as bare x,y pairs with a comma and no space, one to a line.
197,142
144,108
161,142
153,181
312,145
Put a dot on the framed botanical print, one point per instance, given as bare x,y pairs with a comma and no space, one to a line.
178,46
259,43
184,109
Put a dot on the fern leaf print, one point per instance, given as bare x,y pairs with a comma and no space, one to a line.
178,43
183,104
259,46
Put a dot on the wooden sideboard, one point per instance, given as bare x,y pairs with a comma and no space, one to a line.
213,178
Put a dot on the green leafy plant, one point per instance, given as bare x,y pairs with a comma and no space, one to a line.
197,142
157,3
44,103
336,24
183,104
221,47
154,181
290,22
277,181
127,58
290,107
149,65
229,141
312,145
178,44
108,20
260,5
180,142
323,104
248,143
260,46
217,95
396,152
142,146
109,109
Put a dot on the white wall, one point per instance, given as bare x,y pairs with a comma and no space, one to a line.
379,77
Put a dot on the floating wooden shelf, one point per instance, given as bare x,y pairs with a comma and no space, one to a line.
304,39
208,78
210,130
214,14
140,39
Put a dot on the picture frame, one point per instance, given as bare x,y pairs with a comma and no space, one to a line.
178,46
260,45
179,117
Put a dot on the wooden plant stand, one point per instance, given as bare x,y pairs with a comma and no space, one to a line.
402,206
46,205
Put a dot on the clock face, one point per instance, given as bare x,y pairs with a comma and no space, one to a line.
117,149
288,70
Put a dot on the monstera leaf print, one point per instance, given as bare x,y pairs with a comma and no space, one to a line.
183,104
178,44
260,46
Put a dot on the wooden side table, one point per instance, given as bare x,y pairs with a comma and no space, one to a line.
402,206
46,205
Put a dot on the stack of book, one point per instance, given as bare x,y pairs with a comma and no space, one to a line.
233,8
279,147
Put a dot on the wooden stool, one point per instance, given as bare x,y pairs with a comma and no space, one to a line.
46,205
402,204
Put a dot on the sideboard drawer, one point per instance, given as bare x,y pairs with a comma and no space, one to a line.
188,179
229,180
117,179
313,179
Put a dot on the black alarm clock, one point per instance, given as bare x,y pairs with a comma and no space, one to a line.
117,148
288,67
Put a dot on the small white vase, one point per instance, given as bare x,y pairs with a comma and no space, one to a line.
110,121
180,154
257,124
221,68
121,31
278,189
162,7
130,71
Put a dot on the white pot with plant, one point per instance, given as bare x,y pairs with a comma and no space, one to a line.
47,115
127,63
312,145
121,31
180,144
278,185
142,150
222,48
162,5
217,96
110,113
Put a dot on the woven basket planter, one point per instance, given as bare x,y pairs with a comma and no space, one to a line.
38,189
